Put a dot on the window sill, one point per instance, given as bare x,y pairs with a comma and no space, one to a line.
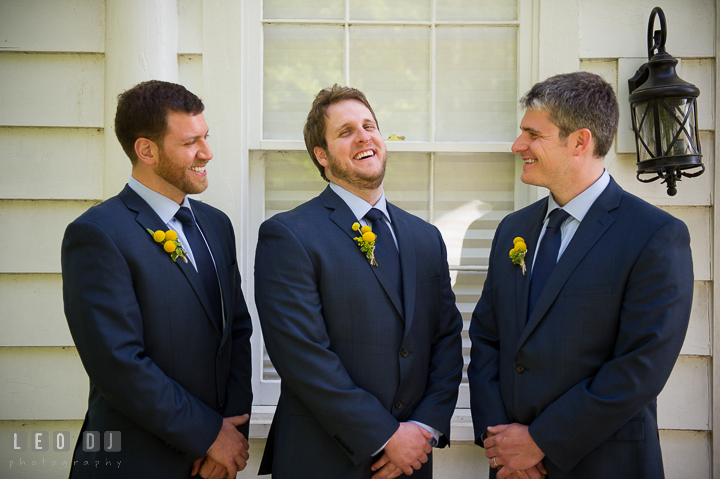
461,424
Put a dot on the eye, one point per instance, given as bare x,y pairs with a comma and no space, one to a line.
369,127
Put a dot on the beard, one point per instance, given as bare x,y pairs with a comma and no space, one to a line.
358,179
178,175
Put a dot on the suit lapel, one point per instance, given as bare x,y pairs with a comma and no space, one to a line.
344,218
406,247
522,281
211,236
591,229
147,218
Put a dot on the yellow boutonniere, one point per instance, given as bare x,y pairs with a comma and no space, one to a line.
169,241
366,241
517,254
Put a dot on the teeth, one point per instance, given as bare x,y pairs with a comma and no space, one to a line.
364,154
527,162
199,169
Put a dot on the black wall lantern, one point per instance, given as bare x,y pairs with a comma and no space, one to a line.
664,115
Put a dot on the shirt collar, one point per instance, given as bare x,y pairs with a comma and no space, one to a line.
359,206
162,205
580,205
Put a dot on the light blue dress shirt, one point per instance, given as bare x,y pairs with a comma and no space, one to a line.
577,208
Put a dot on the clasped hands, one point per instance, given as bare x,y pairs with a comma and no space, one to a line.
513,451
405,452
228,454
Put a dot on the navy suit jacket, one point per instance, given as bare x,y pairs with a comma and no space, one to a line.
354,357
160,371
585,370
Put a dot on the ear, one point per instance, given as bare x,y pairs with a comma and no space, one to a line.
146,151
321,156
582,142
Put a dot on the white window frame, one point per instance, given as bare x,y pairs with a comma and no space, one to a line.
268,391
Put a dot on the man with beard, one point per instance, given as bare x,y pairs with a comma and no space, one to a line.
358,315
153,301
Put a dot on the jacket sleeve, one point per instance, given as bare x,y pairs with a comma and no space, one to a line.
446,362
107,326
239,388
289,304
486,402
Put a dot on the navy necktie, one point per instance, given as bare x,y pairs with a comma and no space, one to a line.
203,262
547,256
385,250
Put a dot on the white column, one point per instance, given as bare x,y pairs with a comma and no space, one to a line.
141,39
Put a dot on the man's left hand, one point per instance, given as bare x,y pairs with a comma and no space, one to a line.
511,448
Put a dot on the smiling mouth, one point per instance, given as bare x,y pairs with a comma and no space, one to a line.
529,161
364,154
198,169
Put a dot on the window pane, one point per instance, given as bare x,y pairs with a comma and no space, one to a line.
291,179
477,10
473,192
298,62
407,182
476,84
304,9
413,10
391,65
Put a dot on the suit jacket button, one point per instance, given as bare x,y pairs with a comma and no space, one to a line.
520,368
220,407
221,353
398,404
405,353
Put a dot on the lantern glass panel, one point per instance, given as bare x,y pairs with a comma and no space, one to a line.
676,126
645,125
667,127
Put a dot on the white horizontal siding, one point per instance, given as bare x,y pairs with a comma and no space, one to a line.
42,384
40,89
35,464
51,163
686,454
32,231
618,28
698,339
700,227
190,21
190,75
32,310
685,401
690,191
53,25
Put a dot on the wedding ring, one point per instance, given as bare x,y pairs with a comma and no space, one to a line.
494,462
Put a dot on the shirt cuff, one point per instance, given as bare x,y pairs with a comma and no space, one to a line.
436,434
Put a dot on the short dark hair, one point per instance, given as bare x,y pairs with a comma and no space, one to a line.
314,130
143,109
578,100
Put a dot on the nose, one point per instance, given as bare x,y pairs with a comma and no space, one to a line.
363,136
205,152
520,145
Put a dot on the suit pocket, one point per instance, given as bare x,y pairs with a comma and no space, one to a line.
586,289
633,430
